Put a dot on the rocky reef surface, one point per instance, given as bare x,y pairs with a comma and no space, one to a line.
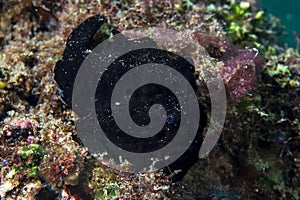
257,156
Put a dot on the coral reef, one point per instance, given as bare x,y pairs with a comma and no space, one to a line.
41,156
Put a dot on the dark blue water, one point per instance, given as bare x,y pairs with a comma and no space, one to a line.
288,12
